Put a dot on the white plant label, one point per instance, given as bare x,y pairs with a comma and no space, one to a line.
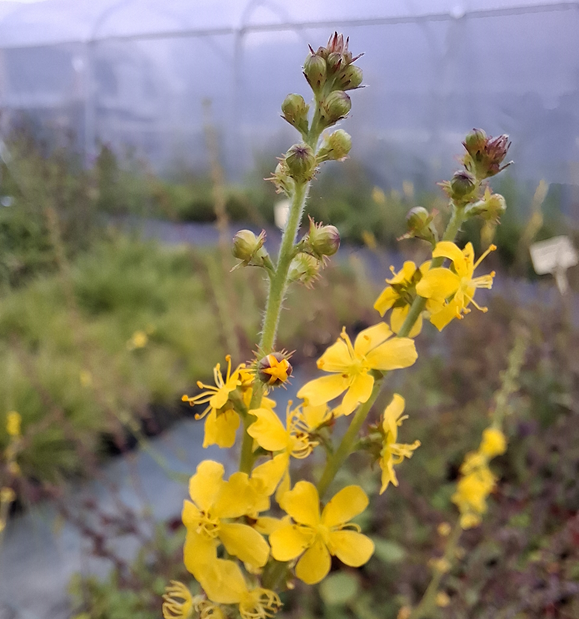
554,256
281,211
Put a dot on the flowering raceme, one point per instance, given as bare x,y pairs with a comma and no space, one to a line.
453,290
314,538
373,349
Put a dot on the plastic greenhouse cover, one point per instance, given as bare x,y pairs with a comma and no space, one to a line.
42,22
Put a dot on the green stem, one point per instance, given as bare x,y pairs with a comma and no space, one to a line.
428,600
334,463
279,280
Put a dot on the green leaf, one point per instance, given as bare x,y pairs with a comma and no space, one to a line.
388,551
339,589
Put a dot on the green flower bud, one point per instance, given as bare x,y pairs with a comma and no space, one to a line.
301,162
335,62
295,111
334,107
350,78
247,247
420,225
315,72
461,185
305,269
475,141
281,179
490,208
322,240
335,147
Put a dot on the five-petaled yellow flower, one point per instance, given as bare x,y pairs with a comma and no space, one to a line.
222,422
225,584
374,349
316,537
207,518
451,291
393,452
293,440
400,294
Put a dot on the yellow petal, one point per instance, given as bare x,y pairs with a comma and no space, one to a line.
220,429
391,415
288,542
268,430
302,503
386,300
438,283
353,549
267,476
397,318
405,274
399,352
448,313
223,582
236,497
266,525
199,551
314,564
245,543
324,389
360,390
284,484
447,249
206,483
190,514
345,505
335,358
315,415
371,337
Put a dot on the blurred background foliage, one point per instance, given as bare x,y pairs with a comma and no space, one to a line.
102,331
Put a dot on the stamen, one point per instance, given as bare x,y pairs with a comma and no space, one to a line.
484,255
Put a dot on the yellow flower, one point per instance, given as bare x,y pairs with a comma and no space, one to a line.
314,538
139,339
178,601
452,291
393,452
400,294
473,488
7,495
215,502
13,423
222,422
225,584
180,604
293,440
442,599
274,369
351,366
493,443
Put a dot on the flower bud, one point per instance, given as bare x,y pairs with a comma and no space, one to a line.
350,78
315,72
281,179
335,62
419,225
295,111
274,369
335,147
322,240
459,189
485,154
248,247
301,162
490,208
334,107
305,269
